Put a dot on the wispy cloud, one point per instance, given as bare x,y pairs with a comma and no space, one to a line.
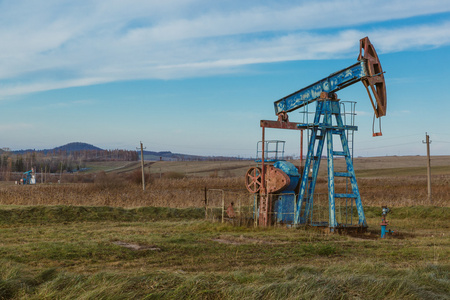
363,113
72,103
60,44
399,113
15,127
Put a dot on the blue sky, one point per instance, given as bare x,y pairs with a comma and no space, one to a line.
196,76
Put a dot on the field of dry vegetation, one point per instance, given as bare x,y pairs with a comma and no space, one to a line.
182,184
99,236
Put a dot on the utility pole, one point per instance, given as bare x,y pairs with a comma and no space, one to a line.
428,166
142,166
60,173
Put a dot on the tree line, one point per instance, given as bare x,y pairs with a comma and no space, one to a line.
60,160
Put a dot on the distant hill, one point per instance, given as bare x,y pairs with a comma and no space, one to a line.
169,156
77,146
70,147
148,155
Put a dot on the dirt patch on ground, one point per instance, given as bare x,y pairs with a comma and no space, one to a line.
137,247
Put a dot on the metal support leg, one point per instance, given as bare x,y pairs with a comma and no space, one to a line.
326,109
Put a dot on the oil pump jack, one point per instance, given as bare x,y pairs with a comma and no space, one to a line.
285,194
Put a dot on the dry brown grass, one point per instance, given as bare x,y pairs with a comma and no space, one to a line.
110,190
397,191
399,186
405,191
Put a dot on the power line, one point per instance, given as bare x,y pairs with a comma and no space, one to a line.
390,146
442,142
391,138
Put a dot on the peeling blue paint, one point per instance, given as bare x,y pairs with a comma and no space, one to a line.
320,131
332,83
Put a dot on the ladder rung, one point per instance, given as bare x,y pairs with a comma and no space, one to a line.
345,196
337,131
341,153
342,174
319,137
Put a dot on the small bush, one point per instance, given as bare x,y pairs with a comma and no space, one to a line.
135,177
109,181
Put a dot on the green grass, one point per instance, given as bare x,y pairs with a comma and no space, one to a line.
60,252
61,213
291,282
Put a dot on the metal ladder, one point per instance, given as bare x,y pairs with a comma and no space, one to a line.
348,117
323,129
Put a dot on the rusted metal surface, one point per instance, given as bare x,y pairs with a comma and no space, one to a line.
253,180
367,69
264,208
276,180
375,78
271,180
263,179
280,125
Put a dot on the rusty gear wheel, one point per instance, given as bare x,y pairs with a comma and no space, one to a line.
253,180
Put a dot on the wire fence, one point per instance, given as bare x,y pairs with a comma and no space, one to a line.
229,206
345,210
242,209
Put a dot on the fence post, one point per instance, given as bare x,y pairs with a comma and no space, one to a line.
240,211
206,204
255,209
223,206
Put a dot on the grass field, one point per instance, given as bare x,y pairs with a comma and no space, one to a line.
364,166
110,240
86,253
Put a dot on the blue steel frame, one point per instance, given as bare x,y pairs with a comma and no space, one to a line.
332,83
321,130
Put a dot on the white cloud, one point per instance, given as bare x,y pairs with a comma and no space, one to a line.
405,38
15,127
304,15
73,103
59,44
363,113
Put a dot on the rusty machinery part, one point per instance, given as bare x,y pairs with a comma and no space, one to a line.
367,69
283,117
265,201
253,180
328,96
375,80
276,179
